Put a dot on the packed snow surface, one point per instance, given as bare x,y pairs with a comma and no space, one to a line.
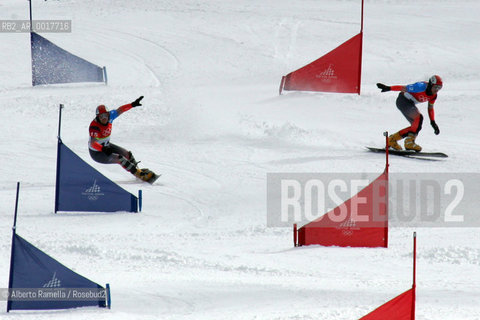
212,123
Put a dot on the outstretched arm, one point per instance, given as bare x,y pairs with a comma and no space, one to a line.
129,106
386,88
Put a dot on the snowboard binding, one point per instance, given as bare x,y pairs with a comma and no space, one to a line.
146,175
131,165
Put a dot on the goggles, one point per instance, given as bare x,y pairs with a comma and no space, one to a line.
103,116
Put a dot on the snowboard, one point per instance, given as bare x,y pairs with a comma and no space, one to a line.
410,153
146,171
154,178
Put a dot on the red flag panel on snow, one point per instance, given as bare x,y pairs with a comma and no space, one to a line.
399,308
337,71
361,221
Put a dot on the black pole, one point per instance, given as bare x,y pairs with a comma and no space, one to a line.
59,145
16,208
31,22
60,121
361,24
31,41
10,278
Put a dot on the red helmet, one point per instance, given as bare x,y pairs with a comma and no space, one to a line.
435,81
101,109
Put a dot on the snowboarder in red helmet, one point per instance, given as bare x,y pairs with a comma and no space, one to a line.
103,151
409,96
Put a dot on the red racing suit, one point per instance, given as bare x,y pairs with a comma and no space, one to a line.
99,133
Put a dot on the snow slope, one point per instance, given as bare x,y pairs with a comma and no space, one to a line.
213,124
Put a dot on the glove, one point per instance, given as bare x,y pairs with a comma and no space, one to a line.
435,127
137,103
107,150
383,87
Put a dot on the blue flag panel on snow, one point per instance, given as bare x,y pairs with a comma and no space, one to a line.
51,64
36,271
80,187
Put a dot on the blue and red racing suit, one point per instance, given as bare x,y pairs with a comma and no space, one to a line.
100,141
409,96
99,133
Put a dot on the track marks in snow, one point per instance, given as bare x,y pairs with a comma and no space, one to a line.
452,255
139,257
160,62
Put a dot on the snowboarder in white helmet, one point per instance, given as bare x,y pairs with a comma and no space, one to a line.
409,96
102,151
